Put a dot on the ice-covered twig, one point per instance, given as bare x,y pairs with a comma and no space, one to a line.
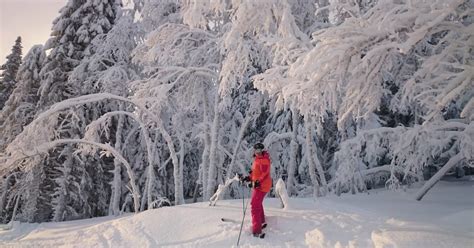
221,189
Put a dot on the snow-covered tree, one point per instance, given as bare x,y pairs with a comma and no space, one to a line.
34,142
10,69
79,22
182,65
334,77
154,13
19,110
66,184
108,68
168,100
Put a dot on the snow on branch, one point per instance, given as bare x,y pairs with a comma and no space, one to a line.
221,189
445,79
350,59
176,44
274,137
45,147
42,130
407,151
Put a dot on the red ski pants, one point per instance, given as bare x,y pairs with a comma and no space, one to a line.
258,215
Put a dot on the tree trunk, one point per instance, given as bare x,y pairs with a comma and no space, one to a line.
196,191
178,172
178,195
144,194
309,158
453,161
30,203
150,185
3,197
322,176
315,158
151,172
237,145
15,208
60,202
204,167
293,154
211,181
114,205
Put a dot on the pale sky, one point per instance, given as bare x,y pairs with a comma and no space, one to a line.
30,19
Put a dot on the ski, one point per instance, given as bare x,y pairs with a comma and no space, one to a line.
264,225
261,235
229,220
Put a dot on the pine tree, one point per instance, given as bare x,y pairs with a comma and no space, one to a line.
80,21
10,69
19,110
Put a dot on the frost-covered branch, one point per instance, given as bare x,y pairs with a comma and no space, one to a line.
221,189
45,147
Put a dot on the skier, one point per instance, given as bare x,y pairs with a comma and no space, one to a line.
260,181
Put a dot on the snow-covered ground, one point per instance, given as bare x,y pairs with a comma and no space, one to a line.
445,218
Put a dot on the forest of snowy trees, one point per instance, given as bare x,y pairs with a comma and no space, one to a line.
134,105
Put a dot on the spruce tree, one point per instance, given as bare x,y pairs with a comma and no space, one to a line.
10,68
85,20
80,21
19,109
18,112
65,186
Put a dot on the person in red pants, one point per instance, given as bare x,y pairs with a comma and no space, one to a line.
261,183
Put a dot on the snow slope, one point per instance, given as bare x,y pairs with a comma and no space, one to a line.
381,219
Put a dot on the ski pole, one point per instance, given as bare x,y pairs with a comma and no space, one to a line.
244,207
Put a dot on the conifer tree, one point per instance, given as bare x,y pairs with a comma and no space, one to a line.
10,68
80,21
19,110
64,184
109,69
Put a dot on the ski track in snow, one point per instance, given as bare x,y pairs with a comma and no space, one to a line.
384,219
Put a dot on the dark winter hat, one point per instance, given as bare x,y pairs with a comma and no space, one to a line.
258,146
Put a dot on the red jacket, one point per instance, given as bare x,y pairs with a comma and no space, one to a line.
261,171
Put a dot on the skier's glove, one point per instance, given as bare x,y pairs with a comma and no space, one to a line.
243,179
254,184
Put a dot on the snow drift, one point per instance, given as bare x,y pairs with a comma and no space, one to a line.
378,219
